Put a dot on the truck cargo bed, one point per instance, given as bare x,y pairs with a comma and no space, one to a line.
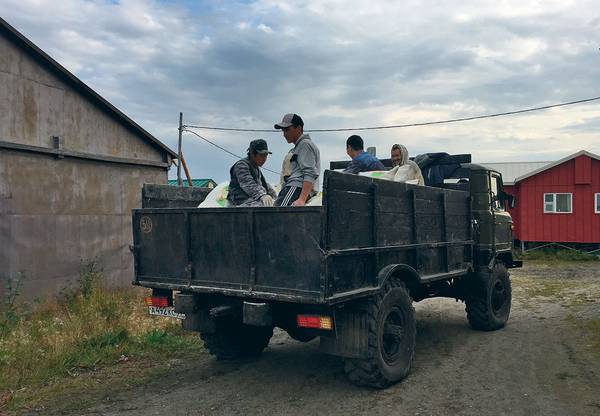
307,254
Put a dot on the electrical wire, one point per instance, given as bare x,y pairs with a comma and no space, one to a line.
222,148
398,126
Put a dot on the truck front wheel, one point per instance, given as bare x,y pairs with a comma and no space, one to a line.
488,305
232,339
391,329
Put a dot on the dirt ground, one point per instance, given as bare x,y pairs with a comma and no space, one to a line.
543,363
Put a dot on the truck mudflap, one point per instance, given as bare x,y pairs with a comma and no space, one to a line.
351,335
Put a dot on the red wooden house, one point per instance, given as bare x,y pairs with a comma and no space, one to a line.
557,202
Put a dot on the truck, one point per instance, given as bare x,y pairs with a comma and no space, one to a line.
347,272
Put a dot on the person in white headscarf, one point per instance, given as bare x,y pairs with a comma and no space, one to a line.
404,166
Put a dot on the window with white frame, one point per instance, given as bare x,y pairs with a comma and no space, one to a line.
558,203
597,204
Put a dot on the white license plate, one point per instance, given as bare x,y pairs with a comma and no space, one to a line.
168,311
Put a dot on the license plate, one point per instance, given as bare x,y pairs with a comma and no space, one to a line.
168,311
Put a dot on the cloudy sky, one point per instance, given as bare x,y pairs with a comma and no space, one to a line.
338,64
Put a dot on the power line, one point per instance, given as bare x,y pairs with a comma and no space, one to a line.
223,149
398,126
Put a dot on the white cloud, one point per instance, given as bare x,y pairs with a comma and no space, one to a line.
264,28
338,64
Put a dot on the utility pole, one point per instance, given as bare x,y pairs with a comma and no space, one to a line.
179,181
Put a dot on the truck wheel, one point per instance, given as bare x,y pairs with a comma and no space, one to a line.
299,334
488,307
391,327
232,339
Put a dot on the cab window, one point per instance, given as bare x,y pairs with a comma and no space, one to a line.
495,192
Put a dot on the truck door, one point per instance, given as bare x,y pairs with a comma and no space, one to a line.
502,219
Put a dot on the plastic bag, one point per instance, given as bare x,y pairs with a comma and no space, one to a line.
217,198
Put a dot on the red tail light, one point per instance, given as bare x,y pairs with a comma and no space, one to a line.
314,321
160,301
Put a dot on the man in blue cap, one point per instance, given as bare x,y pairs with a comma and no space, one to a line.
248,187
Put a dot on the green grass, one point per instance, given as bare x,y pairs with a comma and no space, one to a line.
556,289
593,328
552,255
89,329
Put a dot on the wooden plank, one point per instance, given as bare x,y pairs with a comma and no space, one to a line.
350,219
394,229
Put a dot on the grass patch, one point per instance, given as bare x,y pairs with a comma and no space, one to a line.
593,328
565,376
86,330
556,289
553,255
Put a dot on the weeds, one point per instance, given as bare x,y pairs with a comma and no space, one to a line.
593,327
88,328
9,315
553,255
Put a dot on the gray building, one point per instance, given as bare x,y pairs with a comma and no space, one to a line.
71,169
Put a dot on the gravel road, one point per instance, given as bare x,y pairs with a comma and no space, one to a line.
542,363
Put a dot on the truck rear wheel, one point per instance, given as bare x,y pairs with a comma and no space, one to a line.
391,329
232,339
488,307
300,334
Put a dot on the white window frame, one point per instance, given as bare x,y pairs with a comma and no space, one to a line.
554,202
596,203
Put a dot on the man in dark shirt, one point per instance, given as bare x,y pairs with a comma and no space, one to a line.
361,160
248,187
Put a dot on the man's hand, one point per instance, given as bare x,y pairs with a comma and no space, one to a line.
306,188
267,200
298,203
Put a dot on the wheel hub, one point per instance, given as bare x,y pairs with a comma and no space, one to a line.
499,296
392,335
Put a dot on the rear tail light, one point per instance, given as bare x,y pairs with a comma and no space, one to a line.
160,301
315,321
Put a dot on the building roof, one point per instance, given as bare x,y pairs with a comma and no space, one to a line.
45,60
196,183
558,162
512,170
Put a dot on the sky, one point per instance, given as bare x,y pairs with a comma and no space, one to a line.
338,64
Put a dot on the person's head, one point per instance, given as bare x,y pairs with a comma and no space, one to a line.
292,127
258,152
354,145
399,155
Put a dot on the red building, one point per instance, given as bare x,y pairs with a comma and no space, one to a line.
557,202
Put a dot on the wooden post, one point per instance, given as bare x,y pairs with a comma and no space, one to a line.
187,172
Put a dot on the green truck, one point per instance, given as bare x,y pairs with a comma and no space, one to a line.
346,272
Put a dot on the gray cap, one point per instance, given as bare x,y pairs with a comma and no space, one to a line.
290,120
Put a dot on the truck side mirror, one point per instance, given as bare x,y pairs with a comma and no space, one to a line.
511,200
507,198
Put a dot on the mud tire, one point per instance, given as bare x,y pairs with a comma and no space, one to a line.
488,305
391,327
299,334
232,339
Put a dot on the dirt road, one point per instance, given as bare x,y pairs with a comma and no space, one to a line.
542,363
